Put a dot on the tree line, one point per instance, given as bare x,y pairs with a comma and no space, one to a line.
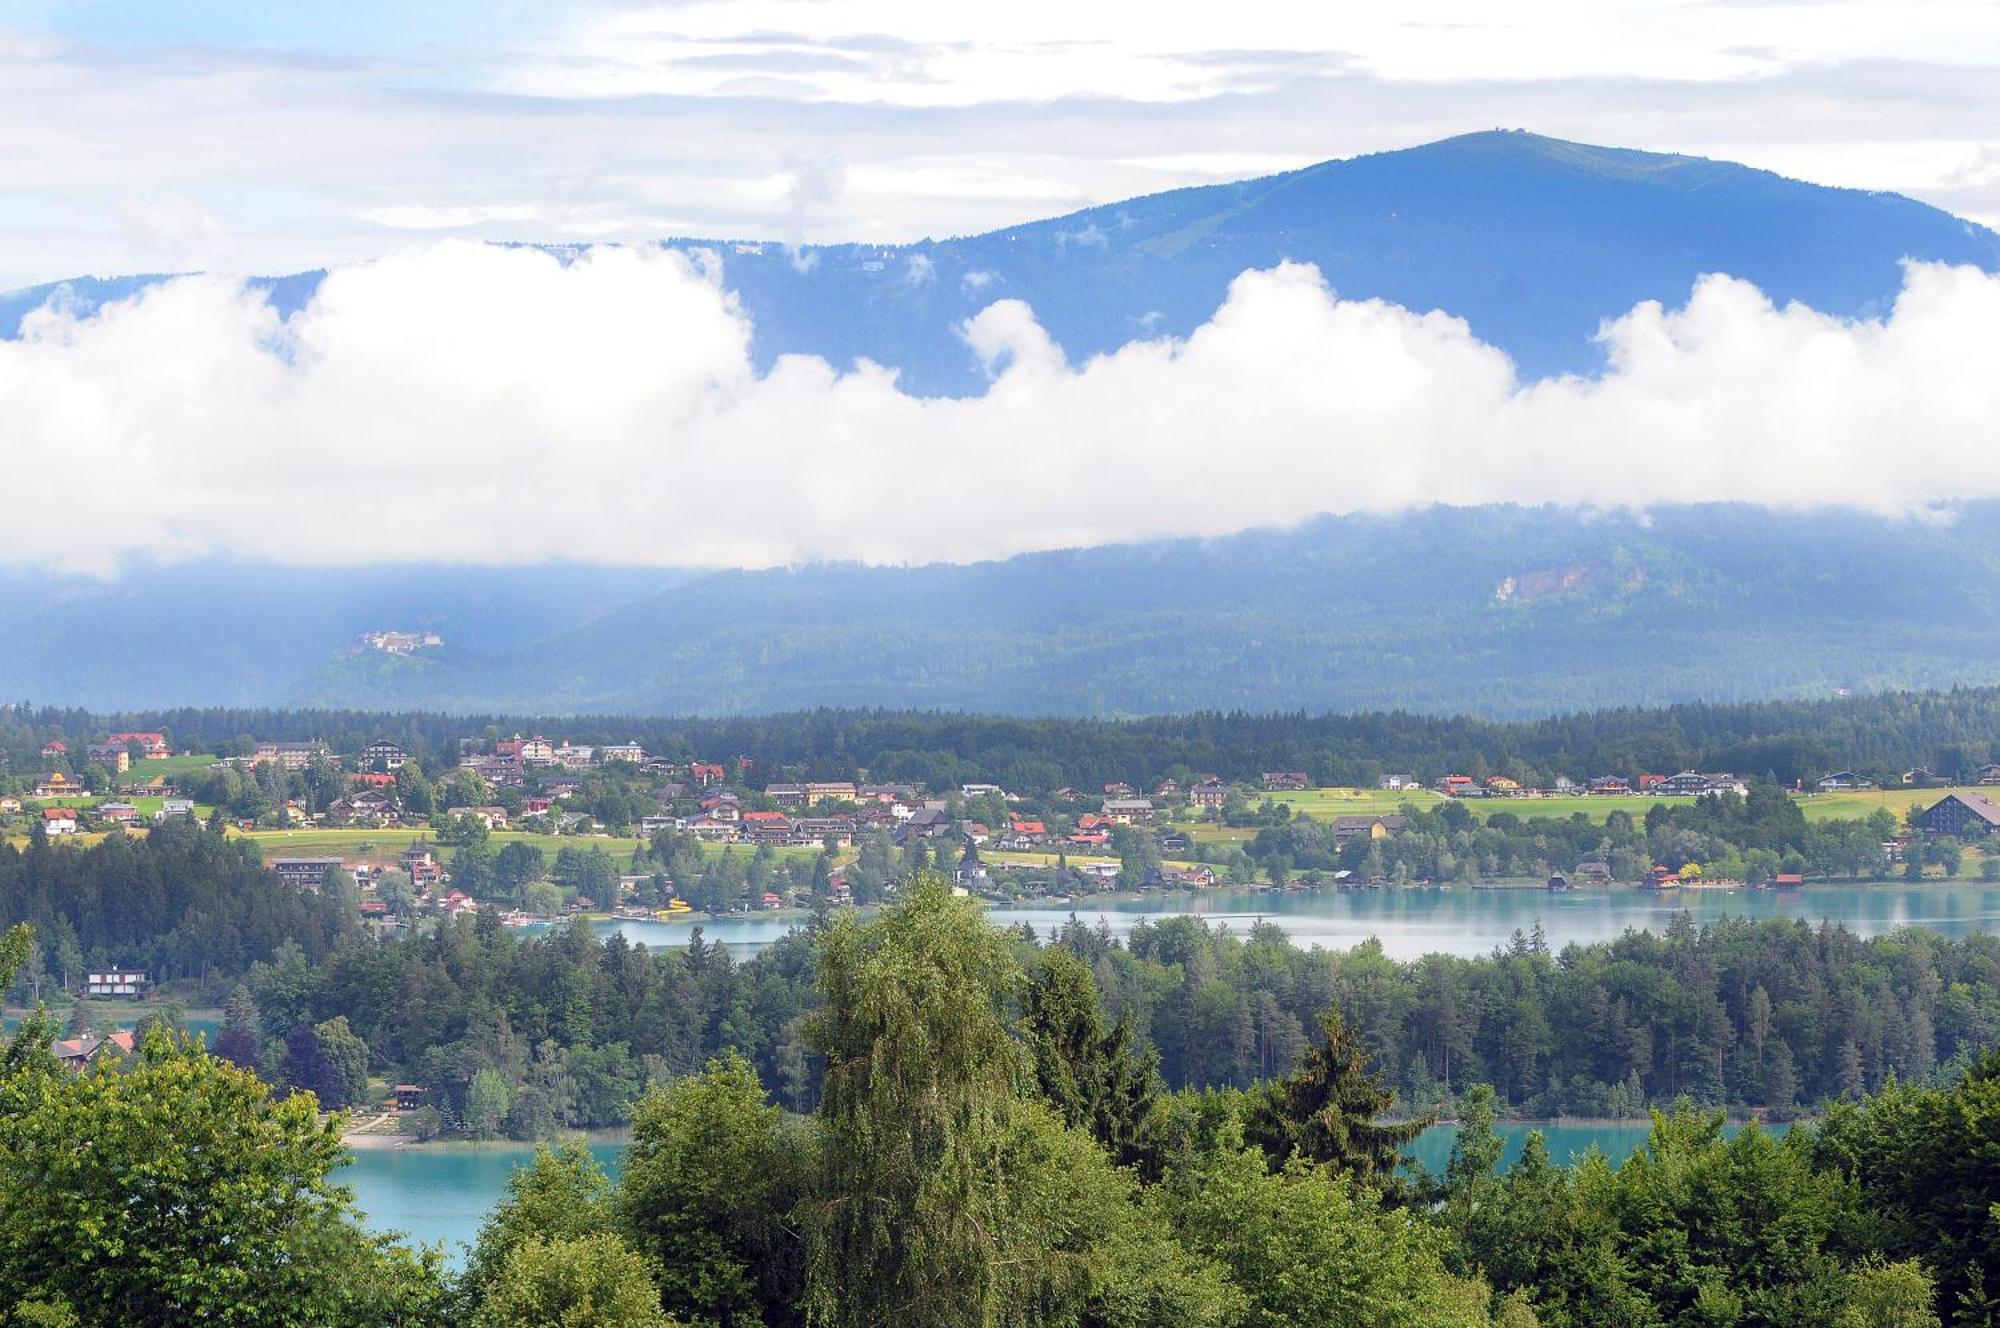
986,1147
1950,732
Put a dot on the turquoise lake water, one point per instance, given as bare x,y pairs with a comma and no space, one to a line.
443,1193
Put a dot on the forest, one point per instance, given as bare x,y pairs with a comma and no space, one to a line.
1951,732
565,1029
985,1146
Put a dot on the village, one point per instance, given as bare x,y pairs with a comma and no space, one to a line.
373,816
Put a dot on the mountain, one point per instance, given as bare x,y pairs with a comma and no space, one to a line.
1502,611
1532,240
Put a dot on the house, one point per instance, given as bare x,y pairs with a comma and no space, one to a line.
709,830
629,752
766,827
819,829
1167,788
1960,814
772,899
1689,783
174,809
706,773
648,825
118,813
786,795
493,818
831,790
289,755
1200,877
1610,786
1118,789
1287,780
153,745
1346,828
1129,811
981,790
1022,828
408,1096
79,1053
1989,774
1564,785
384,755
1456,786
1395,783
55,749
58,821
1597,873
1173,841
9,804
1212,794
113,756
304,873
371,779
115,982
1922,778
1841,780
1501,786
1788,880
971,872
924,823
56,784
1648,783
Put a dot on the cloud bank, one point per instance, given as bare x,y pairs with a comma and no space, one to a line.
471,403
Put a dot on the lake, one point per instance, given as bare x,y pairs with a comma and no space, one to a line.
443,1193
1461,921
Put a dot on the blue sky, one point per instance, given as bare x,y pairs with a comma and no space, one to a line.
273,137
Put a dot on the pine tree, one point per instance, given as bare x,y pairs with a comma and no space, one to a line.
1326,1110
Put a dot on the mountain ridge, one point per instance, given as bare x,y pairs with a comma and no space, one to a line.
1534,241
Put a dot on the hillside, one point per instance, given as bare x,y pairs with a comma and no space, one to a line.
1533,241
1497,611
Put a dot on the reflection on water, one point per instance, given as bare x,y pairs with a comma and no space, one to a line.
1462,921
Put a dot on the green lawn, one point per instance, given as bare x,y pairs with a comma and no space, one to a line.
386,846
1325,804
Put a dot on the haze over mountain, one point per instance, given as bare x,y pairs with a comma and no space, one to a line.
1506,610
1501,611
1533,241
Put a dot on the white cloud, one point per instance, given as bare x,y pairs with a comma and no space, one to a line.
459,401
302,138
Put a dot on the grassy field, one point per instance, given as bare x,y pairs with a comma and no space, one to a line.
387,846
1325,804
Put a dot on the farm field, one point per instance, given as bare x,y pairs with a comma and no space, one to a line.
386,846
1325,804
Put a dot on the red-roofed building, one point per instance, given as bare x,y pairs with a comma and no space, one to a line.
153,745
59,820
54,748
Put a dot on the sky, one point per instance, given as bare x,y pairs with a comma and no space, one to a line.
281,136
500,405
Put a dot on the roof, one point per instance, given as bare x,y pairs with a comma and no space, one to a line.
1977,803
